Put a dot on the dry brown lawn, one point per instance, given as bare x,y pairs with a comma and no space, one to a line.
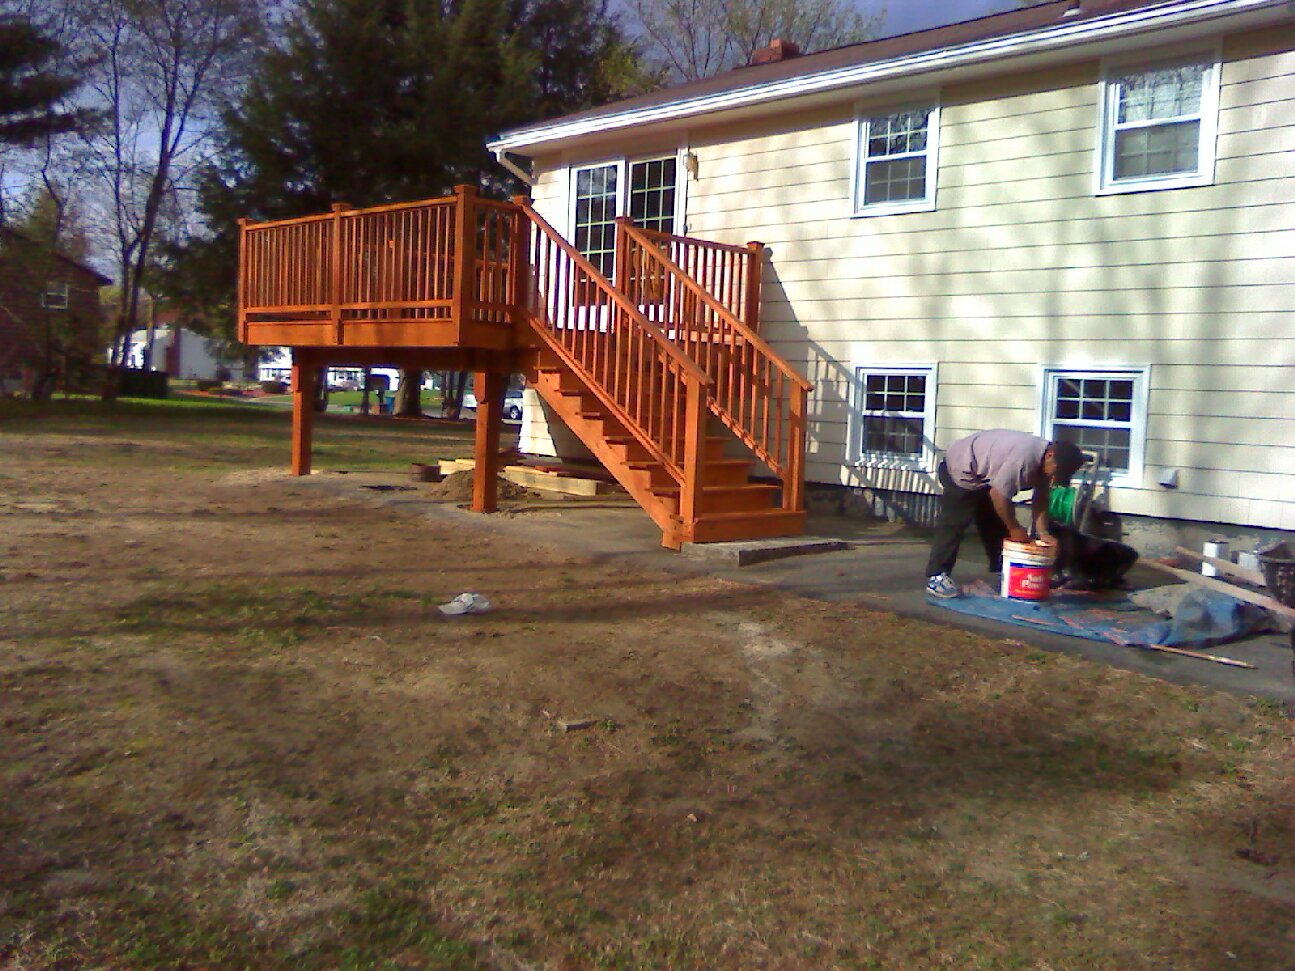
236,733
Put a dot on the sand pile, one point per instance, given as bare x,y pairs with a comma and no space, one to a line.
457,487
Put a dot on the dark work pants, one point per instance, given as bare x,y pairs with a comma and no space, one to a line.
959,508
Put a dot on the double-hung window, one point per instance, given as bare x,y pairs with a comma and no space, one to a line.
1158,126
1101,411
644,190
895,415
896,161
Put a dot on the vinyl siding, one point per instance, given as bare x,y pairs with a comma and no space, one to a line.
1022,266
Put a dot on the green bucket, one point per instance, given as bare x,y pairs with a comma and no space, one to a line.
1061,505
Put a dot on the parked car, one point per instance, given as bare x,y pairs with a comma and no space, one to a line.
512,403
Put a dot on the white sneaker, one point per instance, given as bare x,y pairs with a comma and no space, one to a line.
466,603
941,585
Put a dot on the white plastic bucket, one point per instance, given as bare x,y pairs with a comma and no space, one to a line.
1027,571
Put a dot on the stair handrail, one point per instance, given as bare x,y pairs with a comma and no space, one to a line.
790,470
681,451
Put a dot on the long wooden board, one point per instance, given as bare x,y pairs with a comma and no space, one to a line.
1241,593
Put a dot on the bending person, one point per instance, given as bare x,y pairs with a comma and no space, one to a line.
981,474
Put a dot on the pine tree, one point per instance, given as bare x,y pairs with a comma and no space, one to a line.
32,92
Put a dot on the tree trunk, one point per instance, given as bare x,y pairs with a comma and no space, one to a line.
456,382
409,402
321,390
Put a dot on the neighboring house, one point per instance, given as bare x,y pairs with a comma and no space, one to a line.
181,352
276,365
1074,219
50,317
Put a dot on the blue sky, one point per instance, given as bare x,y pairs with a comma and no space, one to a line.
903,16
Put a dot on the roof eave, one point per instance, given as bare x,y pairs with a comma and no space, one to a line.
1038,41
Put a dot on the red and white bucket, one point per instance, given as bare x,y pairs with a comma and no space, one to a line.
1027,570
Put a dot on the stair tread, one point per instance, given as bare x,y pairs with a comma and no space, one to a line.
750,513
744,487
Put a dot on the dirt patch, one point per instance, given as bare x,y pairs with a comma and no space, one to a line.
457,487
238,733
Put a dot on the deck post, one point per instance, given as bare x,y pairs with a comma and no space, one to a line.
335,271
751,298
303,410
465,256
793,483
694,456
520,251
490,387
242,278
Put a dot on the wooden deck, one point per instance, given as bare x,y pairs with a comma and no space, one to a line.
661,374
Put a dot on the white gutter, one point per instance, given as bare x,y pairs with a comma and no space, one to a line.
501,156
1164,16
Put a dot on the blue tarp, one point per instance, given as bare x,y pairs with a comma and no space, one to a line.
1203,617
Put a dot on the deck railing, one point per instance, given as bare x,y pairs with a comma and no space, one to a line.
756,393
450,258
731,274
642,378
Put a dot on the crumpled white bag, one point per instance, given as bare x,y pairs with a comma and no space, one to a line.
466,603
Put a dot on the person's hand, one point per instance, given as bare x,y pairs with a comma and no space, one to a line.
1046,539
1018,535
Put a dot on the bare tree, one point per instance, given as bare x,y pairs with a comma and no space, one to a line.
160,70
696,39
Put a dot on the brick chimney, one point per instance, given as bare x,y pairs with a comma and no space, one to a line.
778,50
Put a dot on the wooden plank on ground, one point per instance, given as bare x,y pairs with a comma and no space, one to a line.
1241,593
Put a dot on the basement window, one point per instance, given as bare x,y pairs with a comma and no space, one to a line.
896,162
895,416
1157,126
1101,411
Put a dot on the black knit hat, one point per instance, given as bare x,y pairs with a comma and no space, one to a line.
1068,459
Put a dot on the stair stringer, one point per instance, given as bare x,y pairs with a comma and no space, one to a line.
593,434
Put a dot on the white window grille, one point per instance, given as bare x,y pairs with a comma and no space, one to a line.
55,296
1158,127
895,416
1103,412
896,162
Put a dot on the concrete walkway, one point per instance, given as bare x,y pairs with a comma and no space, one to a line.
881,566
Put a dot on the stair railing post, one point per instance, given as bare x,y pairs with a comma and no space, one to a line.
621,265
465,255
694,455
793,484
520,251
335,271
751,298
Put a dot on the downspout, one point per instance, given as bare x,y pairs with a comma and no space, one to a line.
501,156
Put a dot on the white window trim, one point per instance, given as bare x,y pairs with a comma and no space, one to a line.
930,456
1141,377
1104,183
858,154
623,164
61,294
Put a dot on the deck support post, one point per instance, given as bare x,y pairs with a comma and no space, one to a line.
754,270
694,461
490,387
303,410
463,295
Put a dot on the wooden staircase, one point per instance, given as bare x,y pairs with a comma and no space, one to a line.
636,396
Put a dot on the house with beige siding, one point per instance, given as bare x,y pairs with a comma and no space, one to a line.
1076,219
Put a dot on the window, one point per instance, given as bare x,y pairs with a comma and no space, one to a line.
652,186
1103,412
595,215
55,296
895,415
896,162
646,193
1158,127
